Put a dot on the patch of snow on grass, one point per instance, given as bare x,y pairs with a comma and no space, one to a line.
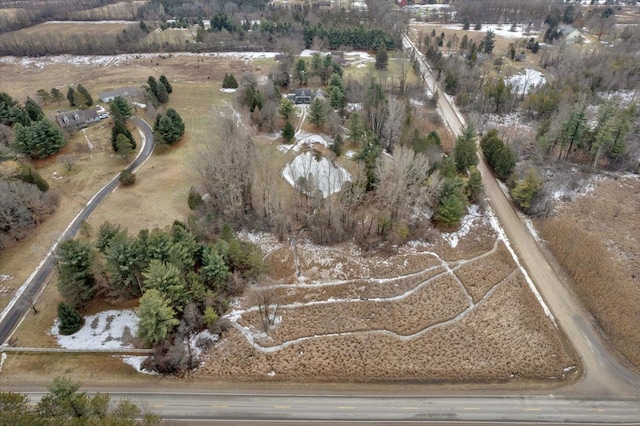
140,105
3,357
223,90
200,341
5,277
495,224
311,173
136,362
104,330
454,237
532,229
499,30
526,81
350,154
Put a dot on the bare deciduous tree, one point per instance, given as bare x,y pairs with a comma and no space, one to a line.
68,161
225,165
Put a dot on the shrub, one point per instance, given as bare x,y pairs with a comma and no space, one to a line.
195,199
127,177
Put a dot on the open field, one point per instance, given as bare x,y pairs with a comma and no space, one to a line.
71,28
121,10
472,318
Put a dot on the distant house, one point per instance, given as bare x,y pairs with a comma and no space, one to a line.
125,92
303,96
70,121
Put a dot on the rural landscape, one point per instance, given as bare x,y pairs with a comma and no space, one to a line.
364,197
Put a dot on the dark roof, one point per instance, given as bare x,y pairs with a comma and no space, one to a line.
304,92
73,120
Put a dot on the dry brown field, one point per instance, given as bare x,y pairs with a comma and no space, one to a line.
121,10
428,312
595,238
414,315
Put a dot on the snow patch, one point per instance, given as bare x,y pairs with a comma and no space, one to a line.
526,81
310,173
350,154
498,29
139,104
201,341
104,330
223,90
5,277
3,357
136,361
466,223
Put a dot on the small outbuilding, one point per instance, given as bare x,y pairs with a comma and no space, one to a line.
125,92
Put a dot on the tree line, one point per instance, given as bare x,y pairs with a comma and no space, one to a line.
64,404
184,276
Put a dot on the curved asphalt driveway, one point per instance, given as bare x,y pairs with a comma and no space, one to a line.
21,303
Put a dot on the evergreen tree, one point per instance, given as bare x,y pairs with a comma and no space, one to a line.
157,318
79,99
287,109
489,42
317,113
535,48
452,205
178,124
300,72
87,96
33,110
75,279
168,86
119,107
356,128
124,146
69,319
106,233
526,190
40,140
288,132
166,278
123,266
336,146
464,150
56,95
162,95
169,128
71,96
229,82
336,97
474,184
382,59
152,83
214,270
120,128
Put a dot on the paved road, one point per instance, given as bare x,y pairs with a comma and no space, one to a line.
604,373
17,309
279,408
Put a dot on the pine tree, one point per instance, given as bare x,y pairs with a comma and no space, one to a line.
124,146
214,270
464,150
317,113
474,185
120,127
167,85
166,278
153,85
526,190
75,279
40,140
33,110
489,41
157,318
119,107
382,59
70,321
87,97
287,109
162,95
71,96
288,132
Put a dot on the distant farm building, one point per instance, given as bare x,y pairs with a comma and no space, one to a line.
125,92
